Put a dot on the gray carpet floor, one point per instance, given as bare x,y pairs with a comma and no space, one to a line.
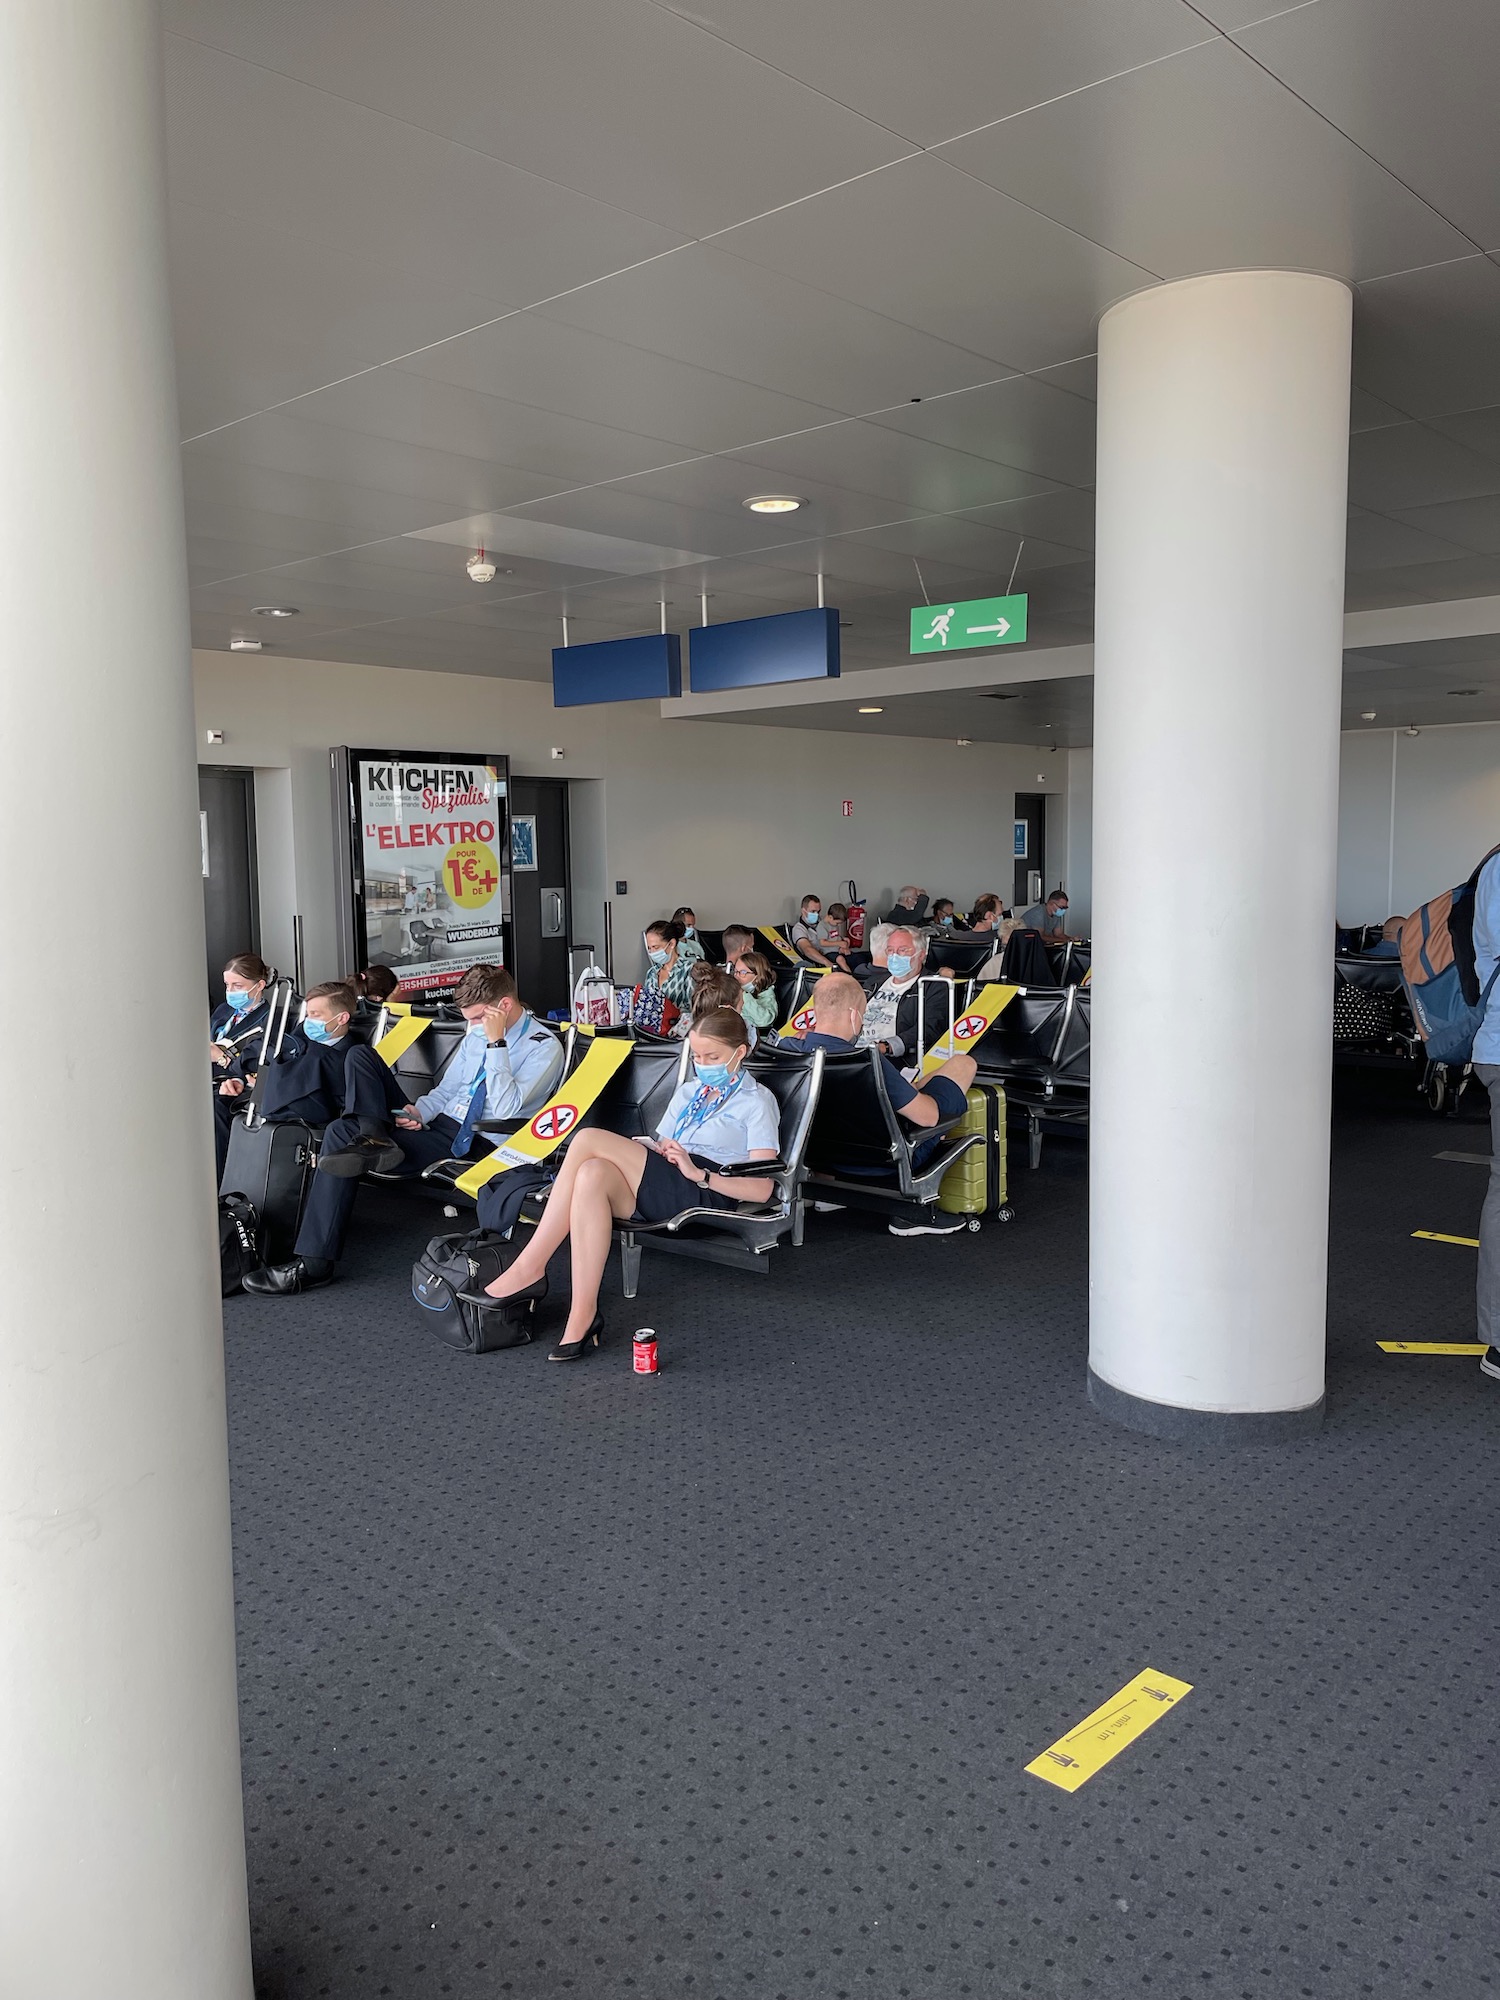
563,1682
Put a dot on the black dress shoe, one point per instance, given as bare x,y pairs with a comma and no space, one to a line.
303,1274
370,1153
574,1350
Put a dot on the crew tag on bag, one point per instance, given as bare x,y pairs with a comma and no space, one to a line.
981,1013
556,1119
778,943
399,1037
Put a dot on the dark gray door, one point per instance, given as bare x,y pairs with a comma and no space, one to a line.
231,902
1032,808
541,897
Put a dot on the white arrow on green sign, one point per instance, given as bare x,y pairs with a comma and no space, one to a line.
983,621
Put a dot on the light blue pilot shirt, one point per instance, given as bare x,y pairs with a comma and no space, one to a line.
520,1073
745,1120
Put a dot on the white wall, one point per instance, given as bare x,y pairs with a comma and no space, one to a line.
737,821
1415,815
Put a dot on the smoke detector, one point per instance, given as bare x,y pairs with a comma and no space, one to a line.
246,645
481,569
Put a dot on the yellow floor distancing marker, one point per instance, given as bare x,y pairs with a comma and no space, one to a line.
1436,1236
1073,1759
1431,1346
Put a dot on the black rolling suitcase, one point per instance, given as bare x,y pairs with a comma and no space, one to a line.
270,1165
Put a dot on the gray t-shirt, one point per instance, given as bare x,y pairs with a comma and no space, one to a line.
1039,918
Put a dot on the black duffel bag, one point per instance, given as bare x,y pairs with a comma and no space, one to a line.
453,1264
239,1241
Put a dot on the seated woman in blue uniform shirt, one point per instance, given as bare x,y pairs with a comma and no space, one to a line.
235,1028
720,1117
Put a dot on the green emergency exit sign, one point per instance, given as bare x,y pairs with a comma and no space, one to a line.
984,621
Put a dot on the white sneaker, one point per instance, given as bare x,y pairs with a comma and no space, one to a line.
1489,1362
949,1226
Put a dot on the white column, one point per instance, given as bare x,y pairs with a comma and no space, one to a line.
122,1868
1223,454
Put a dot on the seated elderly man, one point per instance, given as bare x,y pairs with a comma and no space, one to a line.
839,1016
890,1021
908,907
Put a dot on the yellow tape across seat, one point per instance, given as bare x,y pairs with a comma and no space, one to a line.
988,1004
779,943
557,1117
398,1038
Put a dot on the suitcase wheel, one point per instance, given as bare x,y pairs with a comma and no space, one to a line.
1006,1214
973,1222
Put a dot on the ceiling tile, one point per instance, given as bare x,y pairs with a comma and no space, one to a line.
1378,543
261,315
917,474
1374,591
1408,465
550,448
1066,518
595,379
1413,85
905,243
1467,576
1476,430
1022,421
1439,653
1473,524
1429,341
618,99
995,61
720,312
1269,181
249,142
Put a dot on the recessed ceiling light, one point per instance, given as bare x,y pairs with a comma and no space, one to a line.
237,645
273,611
774,503
872,711
1463,690
1367,715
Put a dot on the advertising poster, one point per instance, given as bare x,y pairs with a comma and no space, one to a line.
431,894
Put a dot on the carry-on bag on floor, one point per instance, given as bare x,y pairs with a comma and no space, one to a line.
453,1264
271,1165
975,1184
239,1242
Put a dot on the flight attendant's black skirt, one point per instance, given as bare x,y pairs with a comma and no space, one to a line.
666,1191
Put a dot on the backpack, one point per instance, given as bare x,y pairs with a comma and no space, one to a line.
451,1264
239,1242
1442,980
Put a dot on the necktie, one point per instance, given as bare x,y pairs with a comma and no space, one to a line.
473,1112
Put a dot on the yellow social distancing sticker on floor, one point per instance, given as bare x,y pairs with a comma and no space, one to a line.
1073,1759
1431,1346
1433,1236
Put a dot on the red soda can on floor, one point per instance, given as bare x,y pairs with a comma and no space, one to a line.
644,1349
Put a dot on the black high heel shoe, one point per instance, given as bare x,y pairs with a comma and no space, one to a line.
574,1350
528,1297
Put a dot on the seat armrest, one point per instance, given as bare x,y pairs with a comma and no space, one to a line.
753,1170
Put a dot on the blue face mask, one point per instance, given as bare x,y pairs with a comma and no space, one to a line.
813,919
945,920
716,1075
317,1031
658,957
237,997
898,965
689,930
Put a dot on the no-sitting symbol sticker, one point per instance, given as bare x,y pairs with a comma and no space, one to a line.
554,1121
968,1027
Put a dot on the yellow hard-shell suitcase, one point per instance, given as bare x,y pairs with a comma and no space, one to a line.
975,1184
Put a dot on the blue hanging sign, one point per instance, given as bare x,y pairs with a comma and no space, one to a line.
645,669
755,652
